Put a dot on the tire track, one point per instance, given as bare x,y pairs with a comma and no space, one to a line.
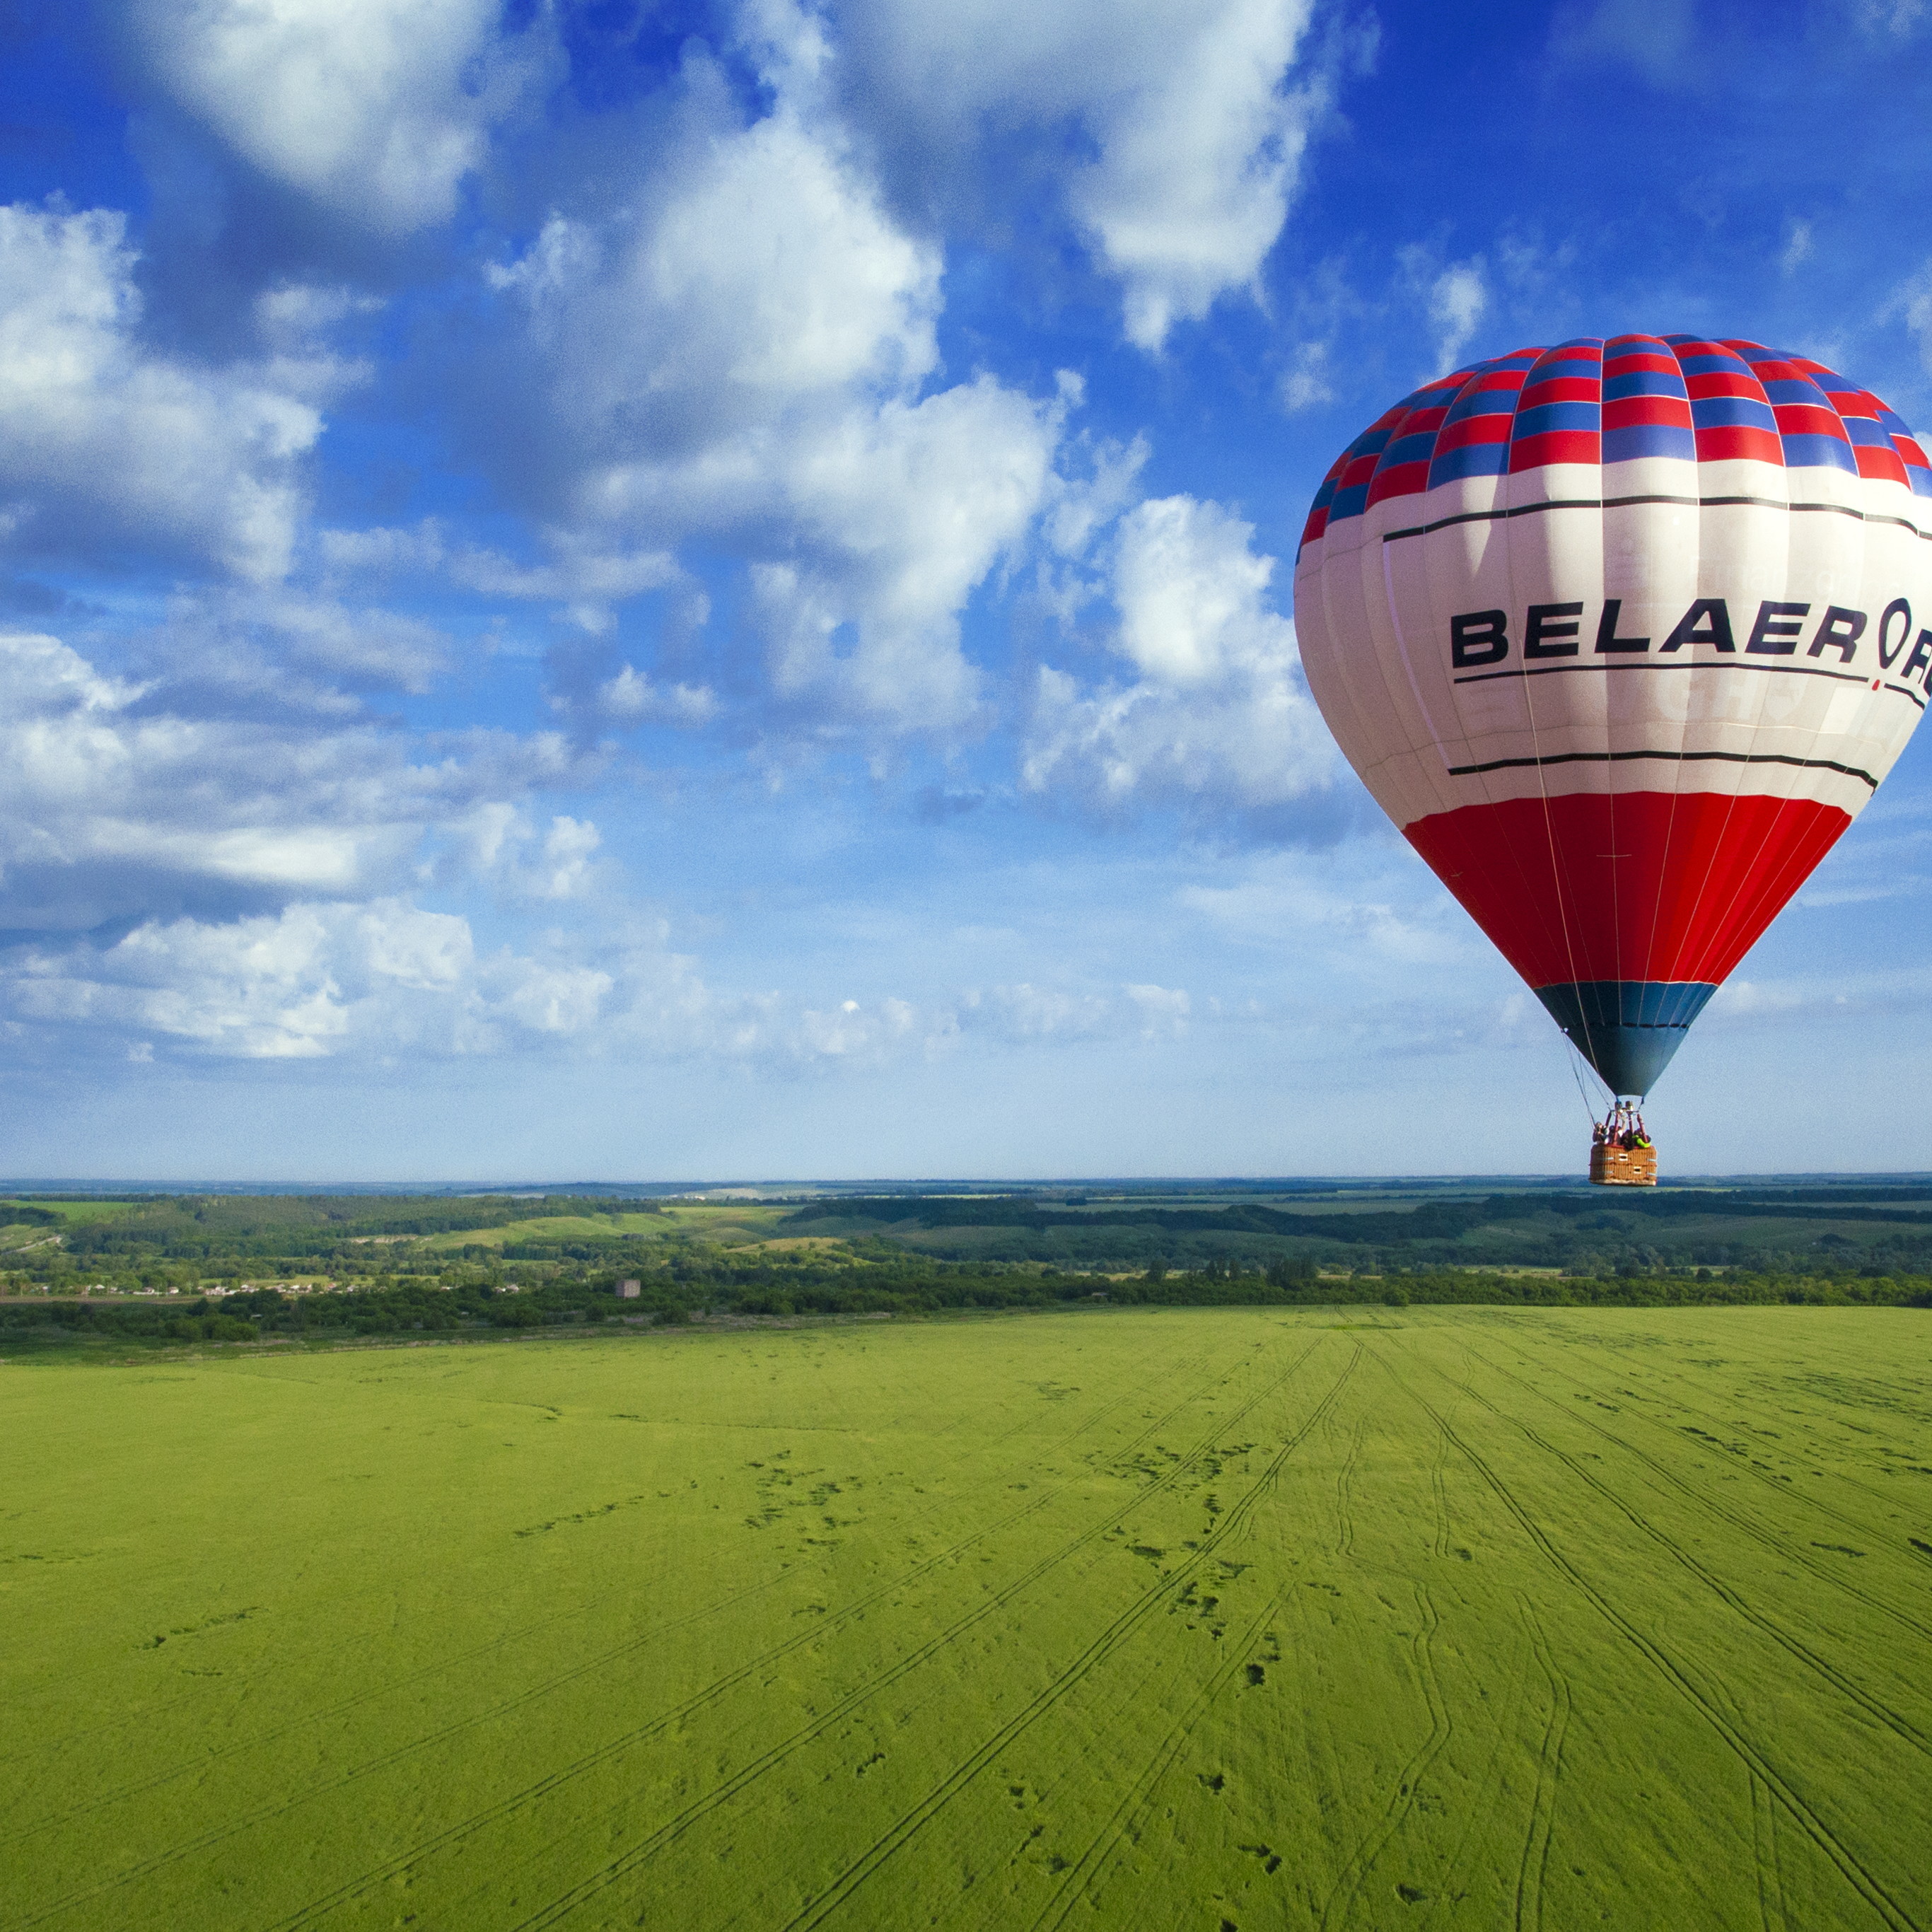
549,1784
1772,1916
842,1888
260,1740
1341,1899
1124,1820
1794,1648
1736,1519
1862,1880
1488,1795
385,1760
1439,1490
120,1794
1788,1491
1533,1872
1344,1513
1169,1374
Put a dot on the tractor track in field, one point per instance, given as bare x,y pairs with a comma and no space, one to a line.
1773,1913
1085,1873
101,1801
1779,1486
1439,1493
1486,1795
816,1911
1801,1652
385,1760
1186,1365
843,1707
1857,1874
1344,1479
1532,1874
1342,1898
121,1793
1736,1519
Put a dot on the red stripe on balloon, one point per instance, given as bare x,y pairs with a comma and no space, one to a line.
1638,886
1647,412
1875,462
1473,430
1564,389
1808,419
1399,479
1733,440
1556,445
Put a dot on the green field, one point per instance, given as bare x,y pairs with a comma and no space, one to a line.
1168,1619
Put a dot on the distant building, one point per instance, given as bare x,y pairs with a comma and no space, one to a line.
628,1291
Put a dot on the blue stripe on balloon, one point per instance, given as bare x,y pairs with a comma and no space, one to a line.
1796,389
1921,480
1733,412
1350,502
1481,403
1863,430
1416,448
1473,459
1625,445
1819,452
1714,365
1546,416
1643,383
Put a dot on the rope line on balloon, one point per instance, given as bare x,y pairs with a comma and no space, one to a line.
1556,876
1577,1064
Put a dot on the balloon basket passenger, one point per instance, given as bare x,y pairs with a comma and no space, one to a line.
1621,1154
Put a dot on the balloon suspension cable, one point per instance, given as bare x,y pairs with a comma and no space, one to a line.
1577,1064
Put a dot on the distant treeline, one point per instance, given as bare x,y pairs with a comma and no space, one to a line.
929,1251
421,1305
304,1227
1433,1220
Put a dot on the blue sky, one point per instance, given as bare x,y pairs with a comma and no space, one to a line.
701,591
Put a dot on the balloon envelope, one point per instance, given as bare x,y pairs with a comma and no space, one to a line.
1623,634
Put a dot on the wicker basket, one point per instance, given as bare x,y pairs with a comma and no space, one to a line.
1614,1166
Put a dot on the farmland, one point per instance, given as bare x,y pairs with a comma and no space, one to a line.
1119,1618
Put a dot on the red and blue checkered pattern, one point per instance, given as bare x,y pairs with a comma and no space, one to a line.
1597,401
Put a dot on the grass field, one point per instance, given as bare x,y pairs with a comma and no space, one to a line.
1172,1620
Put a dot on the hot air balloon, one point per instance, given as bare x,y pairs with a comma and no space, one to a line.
1623,634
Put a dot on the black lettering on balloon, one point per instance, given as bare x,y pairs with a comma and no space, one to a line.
1920,658
1478,637
1607,639
1775,633
1840,627
1707,622
1898,608
1546,635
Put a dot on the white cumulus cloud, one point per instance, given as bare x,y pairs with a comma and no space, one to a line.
118,802
1191,112
104,443
1459,298
376,109
745,353
1212,710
